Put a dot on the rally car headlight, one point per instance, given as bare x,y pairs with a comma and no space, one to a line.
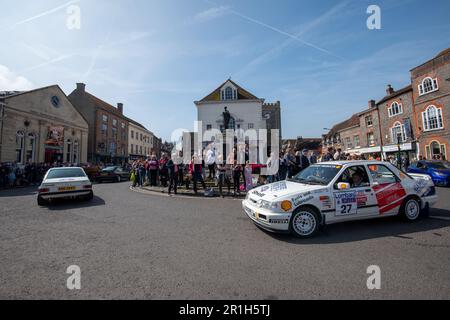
266,204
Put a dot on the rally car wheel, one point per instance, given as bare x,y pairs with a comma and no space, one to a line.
304,223
410,210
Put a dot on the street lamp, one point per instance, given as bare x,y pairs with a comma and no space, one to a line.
399,159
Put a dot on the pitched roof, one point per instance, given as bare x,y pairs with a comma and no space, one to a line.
104,105
395,94
242,93
353,121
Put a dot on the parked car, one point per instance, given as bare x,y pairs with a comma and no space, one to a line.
62,183
439,171
113,174
92,172
334,192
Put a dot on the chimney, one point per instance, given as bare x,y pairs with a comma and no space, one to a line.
389,90
120,107
372,104
81,87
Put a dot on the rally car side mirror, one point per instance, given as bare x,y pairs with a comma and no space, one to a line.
343,185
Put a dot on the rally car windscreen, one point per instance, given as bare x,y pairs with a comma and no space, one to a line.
318,174
66,173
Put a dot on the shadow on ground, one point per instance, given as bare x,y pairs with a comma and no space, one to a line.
18,192
64,204
371,229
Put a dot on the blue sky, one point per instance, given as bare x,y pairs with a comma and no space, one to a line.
317,57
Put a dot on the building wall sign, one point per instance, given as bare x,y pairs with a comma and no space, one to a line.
55,137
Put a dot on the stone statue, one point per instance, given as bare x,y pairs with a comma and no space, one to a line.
226,118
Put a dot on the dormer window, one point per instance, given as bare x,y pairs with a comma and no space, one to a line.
428,85
229,93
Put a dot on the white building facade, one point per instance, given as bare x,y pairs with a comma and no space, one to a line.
247,111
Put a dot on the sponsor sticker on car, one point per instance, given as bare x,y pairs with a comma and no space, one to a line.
346,203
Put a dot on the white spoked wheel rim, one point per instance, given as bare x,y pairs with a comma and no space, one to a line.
412,209
304,223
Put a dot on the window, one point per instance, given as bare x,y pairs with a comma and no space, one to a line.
398,133
251,125
69,151
20,136
432,119
348,142
31,148
382,175
132,148
228,93
115,123
114,132
371,139
123,125
350,176
428,85
104,129
140,150
369,121
436,149
357,141
141,136
75,152
395,109
105,118
132,134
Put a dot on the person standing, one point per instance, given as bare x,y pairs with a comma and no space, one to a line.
196,169
222,176
237,172
172,169
163,174
313,158
304,163
153,169
211,162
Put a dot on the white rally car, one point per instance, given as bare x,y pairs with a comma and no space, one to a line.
333,192
65,183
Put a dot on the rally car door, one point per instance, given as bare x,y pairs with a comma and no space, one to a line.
357,202
388,188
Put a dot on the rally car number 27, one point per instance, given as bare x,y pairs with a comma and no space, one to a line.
334,192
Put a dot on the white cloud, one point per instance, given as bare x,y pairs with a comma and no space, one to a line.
9,81
212,13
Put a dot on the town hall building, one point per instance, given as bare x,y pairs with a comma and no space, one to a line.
244,109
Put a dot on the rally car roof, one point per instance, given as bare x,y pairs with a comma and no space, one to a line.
352,162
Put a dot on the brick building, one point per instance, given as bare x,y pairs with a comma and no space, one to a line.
413,120
108,127
431,94
397,116
370,134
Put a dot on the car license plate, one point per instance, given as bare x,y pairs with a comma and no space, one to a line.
66,189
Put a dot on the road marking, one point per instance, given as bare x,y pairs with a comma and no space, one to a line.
440,218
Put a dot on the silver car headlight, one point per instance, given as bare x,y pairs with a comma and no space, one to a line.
266,204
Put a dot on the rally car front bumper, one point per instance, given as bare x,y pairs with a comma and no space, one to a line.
270,221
